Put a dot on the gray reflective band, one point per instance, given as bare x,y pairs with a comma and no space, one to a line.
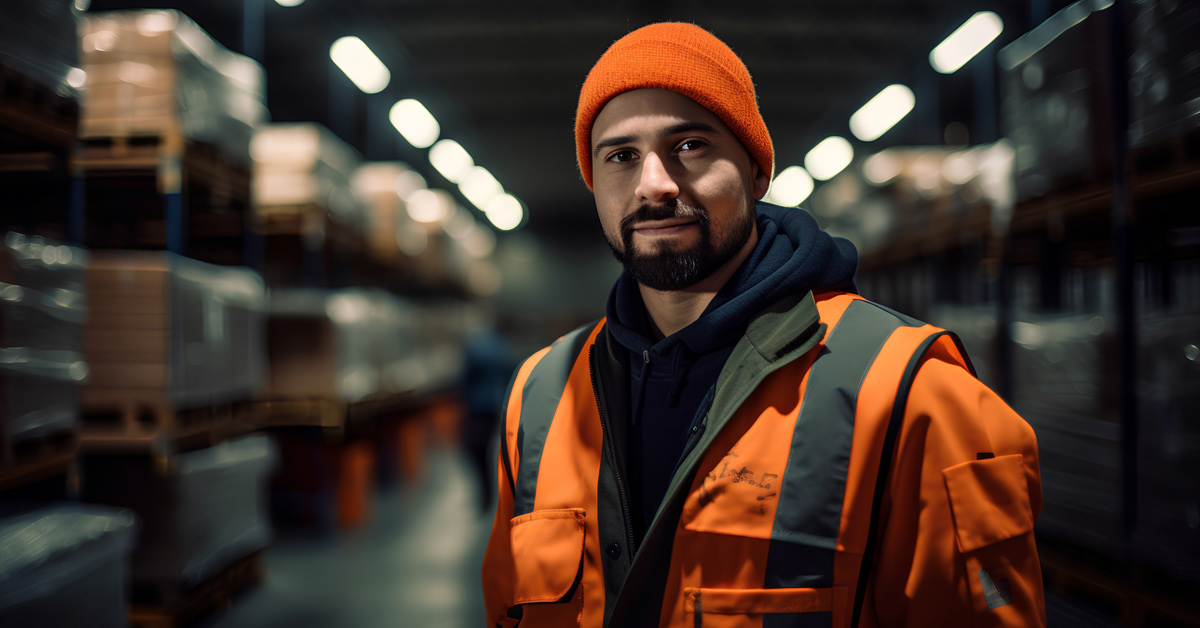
805,532
539,400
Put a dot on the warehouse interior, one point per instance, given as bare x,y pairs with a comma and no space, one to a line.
268,266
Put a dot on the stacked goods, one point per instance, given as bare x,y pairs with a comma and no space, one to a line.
391,232
344,346
303,200
157,74
65,566
976,326
38,39
1169,440
41,323
1065,387
1055,103
199,517
1164,74
168,334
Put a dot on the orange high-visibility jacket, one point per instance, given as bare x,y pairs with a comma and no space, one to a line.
847,469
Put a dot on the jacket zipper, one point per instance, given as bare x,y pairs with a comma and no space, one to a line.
612,454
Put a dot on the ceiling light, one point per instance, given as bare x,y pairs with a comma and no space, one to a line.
76,78
290,3
828,158
882,112
480,187
882,167
451,159
415,123
966,42
790,187
361,65
505,212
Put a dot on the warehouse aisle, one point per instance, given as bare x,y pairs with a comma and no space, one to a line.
416,564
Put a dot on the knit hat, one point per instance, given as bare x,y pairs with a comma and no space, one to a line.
682,58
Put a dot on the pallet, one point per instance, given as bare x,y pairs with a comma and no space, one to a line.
145,422
32,459
214,594
1135,601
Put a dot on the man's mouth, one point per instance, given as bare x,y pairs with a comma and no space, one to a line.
668,226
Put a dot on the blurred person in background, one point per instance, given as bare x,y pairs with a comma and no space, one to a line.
743,440
487,364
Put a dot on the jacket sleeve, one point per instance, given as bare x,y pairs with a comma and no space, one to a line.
957,545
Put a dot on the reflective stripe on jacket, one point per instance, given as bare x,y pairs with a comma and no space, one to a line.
846,470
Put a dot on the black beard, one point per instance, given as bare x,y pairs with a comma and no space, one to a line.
666,269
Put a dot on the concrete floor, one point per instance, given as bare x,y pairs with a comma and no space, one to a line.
416,564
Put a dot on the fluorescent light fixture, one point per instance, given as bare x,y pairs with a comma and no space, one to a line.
289,3
480,187
1030,43
828,158
415,123
882,112
426,205
505,212
361,65
966,42
790,187
451,159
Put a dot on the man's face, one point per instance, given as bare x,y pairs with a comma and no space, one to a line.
674,187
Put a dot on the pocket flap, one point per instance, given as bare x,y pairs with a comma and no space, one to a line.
757,601
989,500
548,550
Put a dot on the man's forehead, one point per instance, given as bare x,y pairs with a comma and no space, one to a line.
646,104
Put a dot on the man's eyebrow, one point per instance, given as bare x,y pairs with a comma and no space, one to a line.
682,127
612,141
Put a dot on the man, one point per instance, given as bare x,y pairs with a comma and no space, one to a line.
743,441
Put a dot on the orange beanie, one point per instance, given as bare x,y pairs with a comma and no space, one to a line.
685,59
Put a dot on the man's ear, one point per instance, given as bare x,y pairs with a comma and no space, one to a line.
762,182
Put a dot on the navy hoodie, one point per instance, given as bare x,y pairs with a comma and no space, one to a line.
670,379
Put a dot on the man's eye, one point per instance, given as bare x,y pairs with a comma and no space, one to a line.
621,156
692,145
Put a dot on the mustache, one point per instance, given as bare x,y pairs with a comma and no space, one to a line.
671,209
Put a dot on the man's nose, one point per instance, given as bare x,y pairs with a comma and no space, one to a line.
656,185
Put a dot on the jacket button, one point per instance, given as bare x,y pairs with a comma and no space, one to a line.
614,551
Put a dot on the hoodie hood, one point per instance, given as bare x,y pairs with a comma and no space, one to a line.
793,256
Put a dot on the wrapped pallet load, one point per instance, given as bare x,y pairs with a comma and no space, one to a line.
303,200
65,565
1065,386
38,40
42,365
1169,440
206,513
157,74
168,334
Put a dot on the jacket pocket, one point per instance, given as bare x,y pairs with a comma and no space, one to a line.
548,548
730,608
989,500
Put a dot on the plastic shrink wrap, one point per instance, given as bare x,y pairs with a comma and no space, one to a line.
1168,525
205,514
345,345
168,323
38,38
1055,100
305,165
1164,70
65,565
1064,385
153,73
42,314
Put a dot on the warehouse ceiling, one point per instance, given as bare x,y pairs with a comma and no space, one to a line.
503,77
